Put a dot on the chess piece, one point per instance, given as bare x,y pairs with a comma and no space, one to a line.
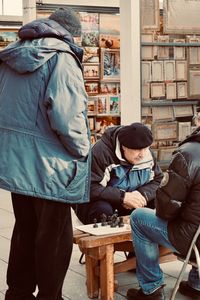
113,224
95,225
121,222
103,220
114,220
116,212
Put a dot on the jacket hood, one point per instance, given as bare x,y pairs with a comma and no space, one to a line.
39,41
110,139
43,28
110,136
193,137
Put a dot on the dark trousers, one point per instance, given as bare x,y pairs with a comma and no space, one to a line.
41,248
89,211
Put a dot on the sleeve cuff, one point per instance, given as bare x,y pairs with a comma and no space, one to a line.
122,195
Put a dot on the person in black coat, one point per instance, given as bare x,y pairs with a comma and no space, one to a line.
172,225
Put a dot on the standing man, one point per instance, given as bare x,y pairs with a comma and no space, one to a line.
45,151
172,225
125,174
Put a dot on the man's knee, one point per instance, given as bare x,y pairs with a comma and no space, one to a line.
141,215
98,208
138,214
87,212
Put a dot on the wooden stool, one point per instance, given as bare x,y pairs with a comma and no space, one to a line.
99,259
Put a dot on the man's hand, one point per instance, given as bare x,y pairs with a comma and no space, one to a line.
134,200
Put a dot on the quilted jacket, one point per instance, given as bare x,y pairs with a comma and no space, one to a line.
178,197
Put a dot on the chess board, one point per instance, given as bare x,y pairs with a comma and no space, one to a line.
103,230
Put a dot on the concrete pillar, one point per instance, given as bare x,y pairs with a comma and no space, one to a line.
29,10
103,3
130,61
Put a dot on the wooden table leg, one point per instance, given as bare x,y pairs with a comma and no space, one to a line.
107,274
92,280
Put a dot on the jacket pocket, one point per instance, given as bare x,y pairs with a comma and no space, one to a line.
72,182
80,178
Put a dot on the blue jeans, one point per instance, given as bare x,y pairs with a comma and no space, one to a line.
148,232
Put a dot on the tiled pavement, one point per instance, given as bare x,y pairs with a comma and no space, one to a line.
74,285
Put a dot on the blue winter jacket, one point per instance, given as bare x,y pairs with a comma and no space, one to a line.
44,134
112,174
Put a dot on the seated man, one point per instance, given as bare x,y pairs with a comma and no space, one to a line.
172,225
125,174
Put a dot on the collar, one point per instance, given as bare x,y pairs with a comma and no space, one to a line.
118,152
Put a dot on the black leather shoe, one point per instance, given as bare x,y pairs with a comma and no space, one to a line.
134,294
187,290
